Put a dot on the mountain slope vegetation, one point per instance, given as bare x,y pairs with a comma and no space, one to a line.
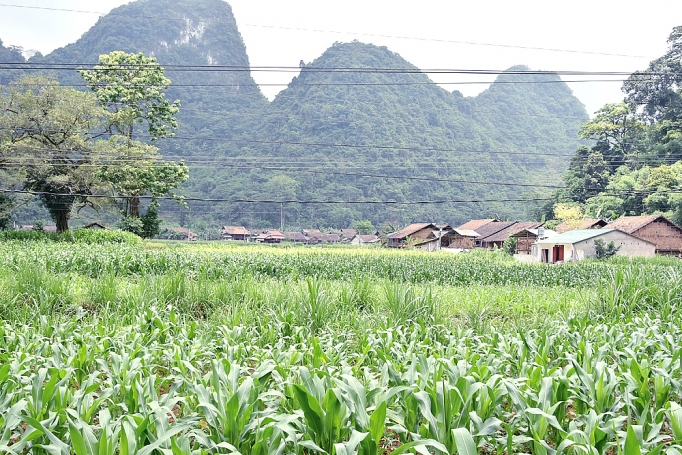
341,132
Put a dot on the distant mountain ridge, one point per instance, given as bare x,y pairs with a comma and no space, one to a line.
330,134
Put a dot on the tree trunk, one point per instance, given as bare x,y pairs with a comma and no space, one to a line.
134,206
62,219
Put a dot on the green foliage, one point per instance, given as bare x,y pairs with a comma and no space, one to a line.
151,223
604,251
86,236
131,224
634,168
364,227
47,130
509,245
132,87
105,236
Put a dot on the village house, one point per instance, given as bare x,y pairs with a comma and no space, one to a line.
270,237
182,233
497,239
296,237
579,224
666,235
578,244
460,239
525,238
235,233
365,240
418,232
488,230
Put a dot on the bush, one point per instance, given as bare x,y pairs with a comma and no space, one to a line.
90,236
603,251
100,236
31,235
131,224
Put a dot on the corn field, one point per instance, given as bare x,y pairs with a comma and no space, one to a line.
298,362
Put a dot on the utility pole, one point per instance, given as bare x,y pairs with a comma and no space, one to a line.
281,216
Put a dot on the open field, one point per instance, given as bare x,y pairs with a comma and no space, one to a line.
221,349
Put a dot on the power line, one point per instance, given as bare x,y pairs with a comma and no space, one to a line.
271,201
313,69
471,43
342,145
352,84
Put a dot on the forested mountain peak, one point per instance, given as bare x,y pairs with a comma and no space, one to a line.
166,29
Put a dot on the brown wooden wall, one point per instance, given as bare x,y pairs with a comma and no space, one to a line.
668,238
525,244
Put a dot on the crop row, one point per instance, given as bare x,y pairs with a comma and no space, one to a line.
442,269
161,386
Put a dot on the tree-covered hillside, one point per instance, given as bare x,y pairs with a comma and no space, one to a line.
357,124
340,126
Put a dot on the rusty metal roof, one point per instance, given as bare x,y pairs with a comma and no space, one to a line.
474,225
409,230
235,230
590,223
493,228
505,233
631,224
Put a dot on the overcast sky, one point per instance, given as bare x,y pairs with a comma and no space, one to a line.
431,34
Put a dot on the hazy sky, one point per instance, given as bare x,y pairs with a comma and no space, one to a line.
431,34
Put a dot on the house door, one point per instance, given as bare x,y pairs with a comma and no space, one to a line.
558,253
545,255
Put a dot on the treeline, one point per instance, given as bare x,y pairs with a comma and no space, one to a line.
634,166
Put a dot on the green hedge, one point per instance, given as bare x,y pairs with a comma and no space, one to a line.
90,236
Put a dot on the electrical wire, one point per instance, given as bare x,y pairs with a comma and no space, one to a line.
512,46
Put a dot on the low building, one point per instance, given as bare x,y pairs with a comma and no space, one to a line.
235,233
497,239
592,223
417,231
181,234
666,235
487,231
270,237
579,244
296,237
458,238
364,240
525,238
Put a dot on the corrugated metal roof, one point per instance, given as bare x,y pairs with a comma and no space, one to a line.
235,230
409,230
631,224
475,224
466,232
580,224
575,236
493,228
535,232
504,234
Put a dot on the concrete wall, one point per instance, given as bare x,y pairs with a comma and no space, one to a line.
629,246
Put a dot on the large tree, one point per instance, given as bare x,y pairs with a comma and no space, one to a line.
48,139
131,87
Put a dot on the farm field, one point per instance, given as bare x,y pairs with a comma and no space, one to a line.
213,348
